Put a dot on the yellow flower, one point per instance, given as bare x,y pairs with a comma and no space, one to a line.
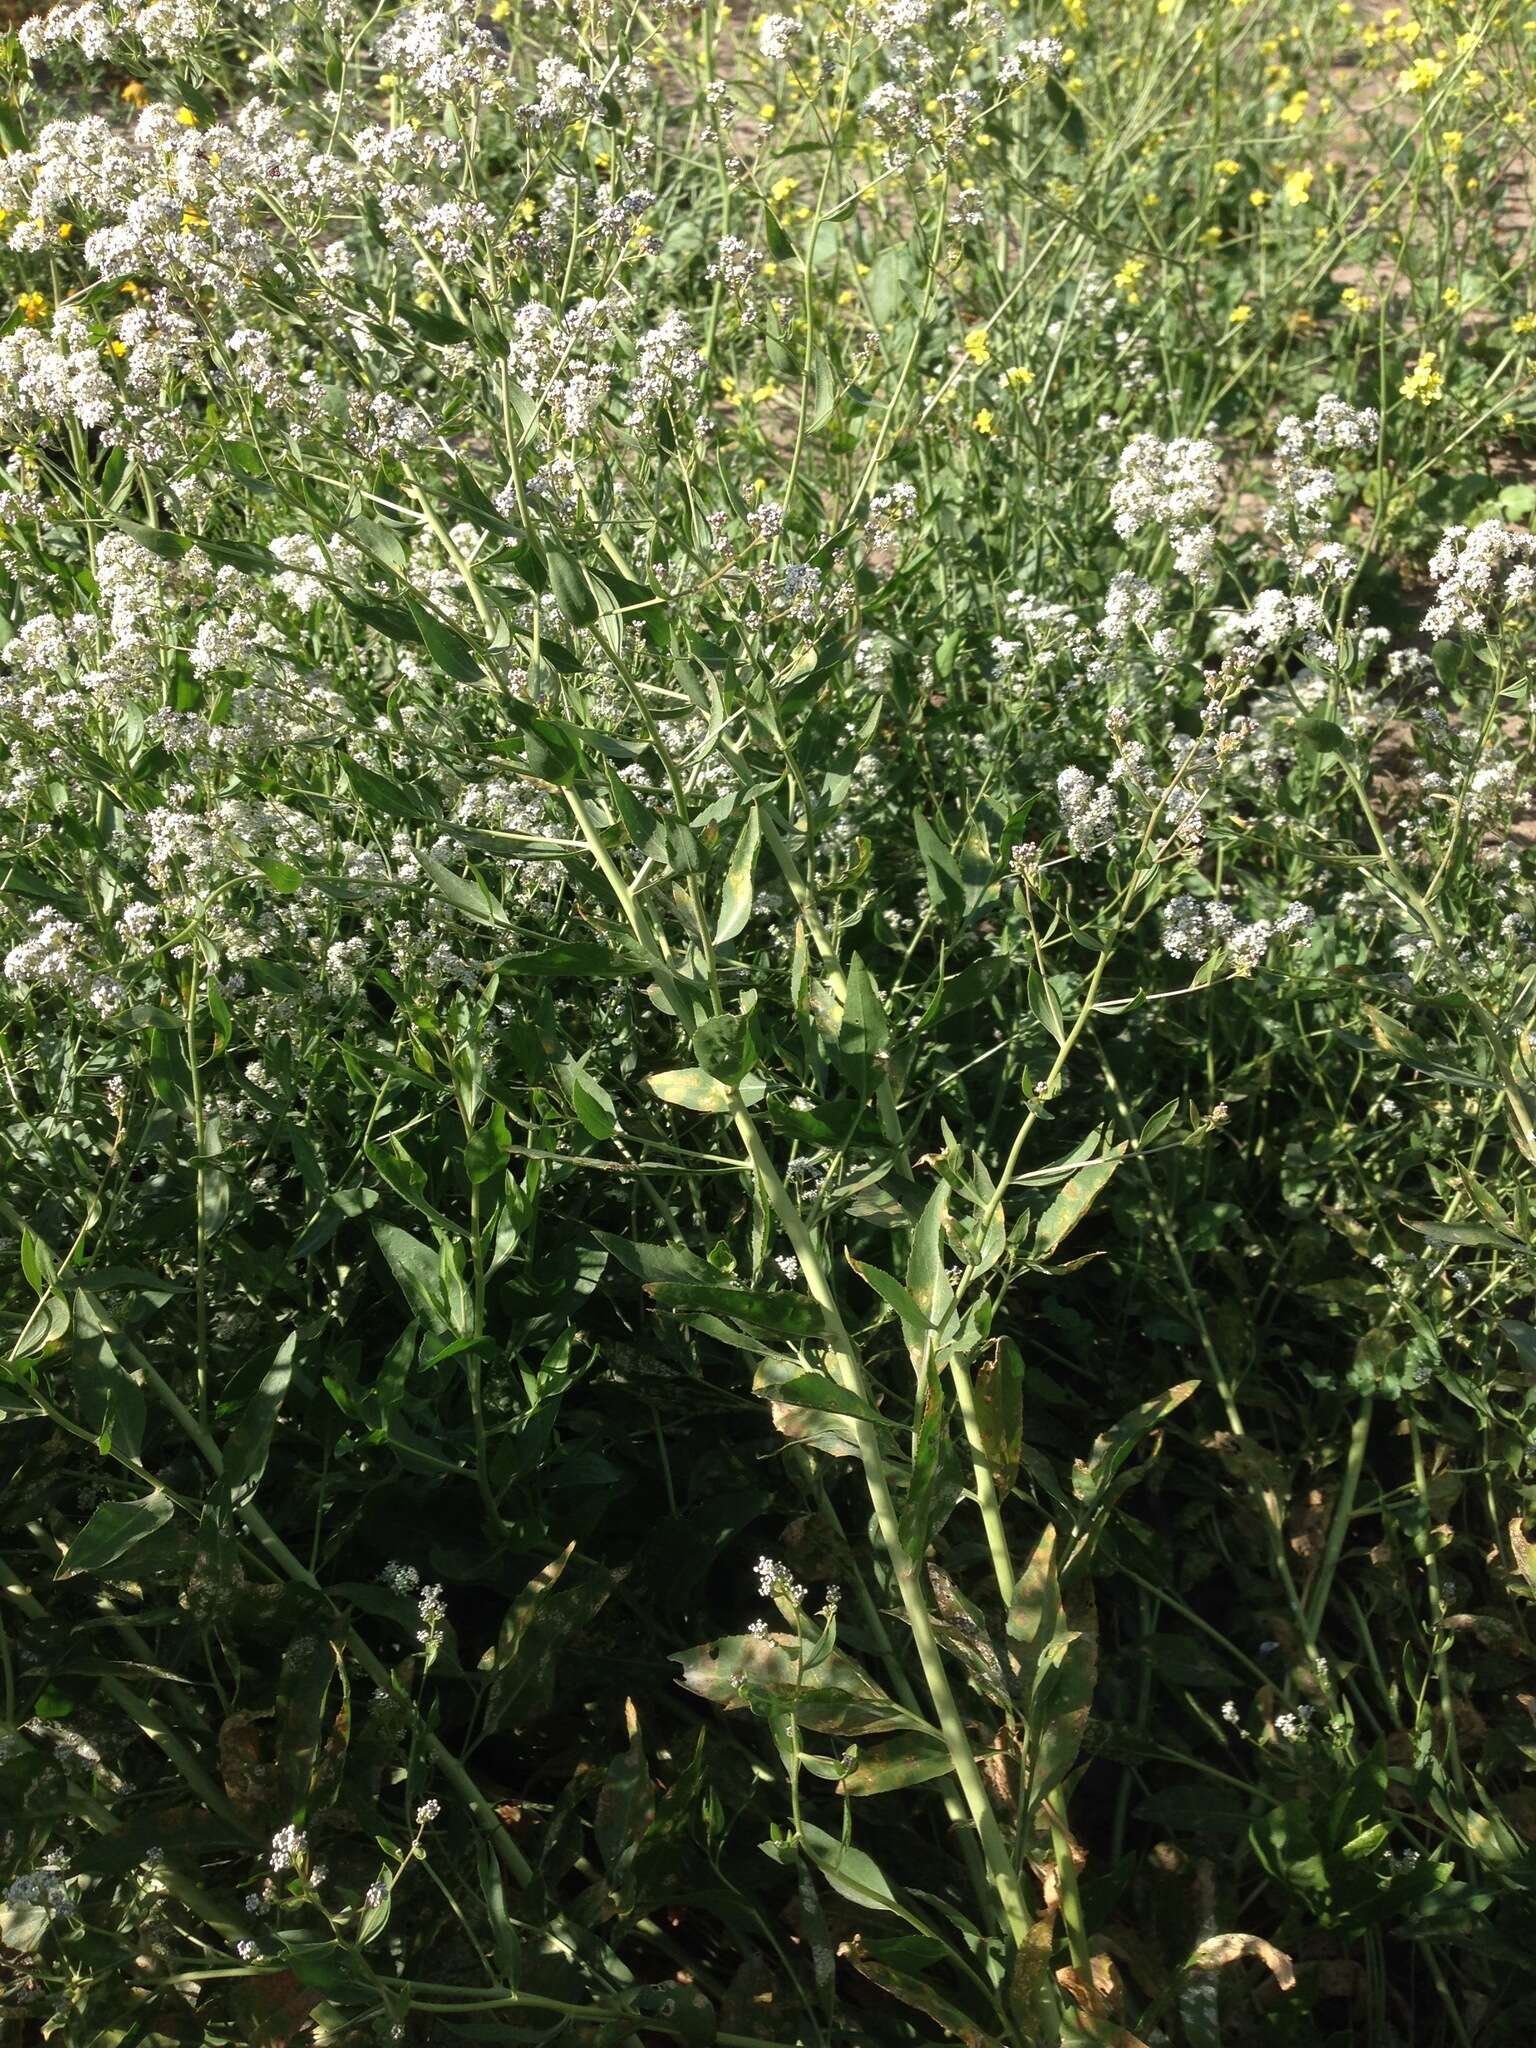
66,229
1451,140
1295,108
767,111
1226,167
1421,76
1525,324
186,117
782,189
1258,196
983,422
136,93
1451,297
33,304
1358,302
118,348
1424,384
1240,316
977,347
1128,279
1298,188
1019,377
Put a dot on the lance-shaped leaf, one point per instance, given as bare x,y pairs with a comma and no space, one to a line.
1000,1414
835,1697
113,1530
1073,1201
908,1759
927,1281
851,1874
736,895
786,1315
1111,1450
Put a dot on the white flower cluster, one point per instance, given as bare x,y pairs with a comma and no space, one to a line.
53,956
1172,485
289,1846
44,1887
1089,810
773,1581
1484,574
777,35
1300,512
1194,930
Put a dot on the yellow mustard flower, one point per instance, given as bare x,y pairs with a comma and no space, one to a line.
1424,384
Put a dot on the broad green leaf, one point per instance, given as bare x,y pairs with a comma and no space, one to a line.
908,1759
112,1531
572,592
488,1148
736,895
922,1997
946,886
835,1696
817,1390
852,1874
1000,1414
471,897
416,1268
865,1030
786,1315
928,1282
1111,1450
1072,1203
725,1048
692,1088
245,1454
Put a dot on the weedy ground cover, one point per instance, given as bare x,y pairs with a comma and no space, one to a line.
766,970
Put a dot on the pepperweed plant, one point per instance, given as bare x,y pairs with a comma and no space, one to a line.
767,970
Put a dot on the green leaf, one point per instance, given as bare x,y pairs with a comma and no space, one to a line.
692,1088
380,794
284,877
736,895
927,1280
946,886
572,592
1072,1203
724,1048
915,1326
865,1030
817,1390
170,547
1111,1450
1000,1414
785,1315
450,650
834,1696
113,1530
488,1148
851,1874
908,1759
417,1270
470,897
245,1454
590,1100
